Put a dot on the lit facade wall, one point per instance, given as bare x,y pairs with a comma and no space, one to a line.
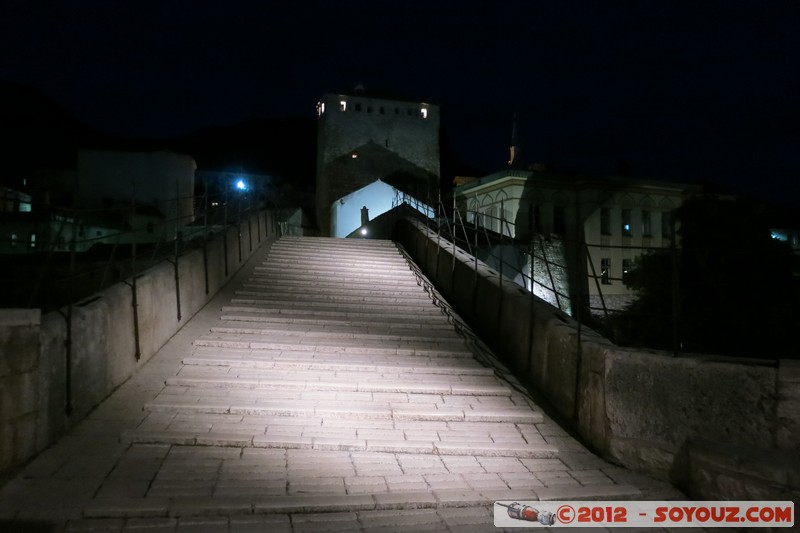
618,221
378,197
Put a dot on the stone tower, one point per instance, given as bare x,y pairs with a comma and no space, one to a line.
363,138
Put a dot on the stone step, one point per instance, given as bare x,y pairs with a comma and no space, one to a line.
364,273
251,440
296,356
249,361
312,297
347,315
314,253
363,381
256,342
276,317
290,261
403,505
393,262
343,410
293,239
358,256
299,330
295,279
341,308
341,245
409,292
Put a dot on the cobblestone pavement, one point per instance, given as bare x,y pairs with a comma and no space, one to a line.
321,390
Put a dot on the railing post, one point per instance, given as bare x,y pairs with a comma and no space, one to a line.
205,232
239,224
134,301
675,296
225,227
177,275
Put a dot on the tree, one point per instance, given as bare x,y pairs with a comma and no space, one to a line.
728,289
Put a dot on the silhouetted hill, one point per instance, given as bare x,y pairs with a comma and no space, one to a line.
36,133
284,148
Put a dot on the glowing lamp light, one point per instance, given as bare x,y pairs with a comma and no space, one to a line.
241,185
364,231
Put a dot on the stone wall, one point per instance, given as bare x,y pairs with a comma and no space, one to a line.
19,391
683,419
103,353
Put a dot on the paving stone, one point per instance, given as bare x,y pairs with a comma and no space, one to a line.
260,524
405,500
151,525
315,504
107,525
399,518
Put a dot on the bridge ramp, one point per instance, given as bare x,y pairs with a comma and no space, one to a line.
322,390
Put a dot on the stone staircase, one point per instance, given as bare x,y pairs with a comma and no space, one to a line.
332,382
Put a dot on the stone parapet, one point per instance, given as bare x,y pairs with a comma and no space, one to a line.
638,408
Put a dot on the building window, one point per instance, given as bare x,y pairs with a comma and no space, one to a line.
605,221
506,222
626,222
320,109
627,264
33,240
489,219
409,112
358,107
382,110
423,113
666,225
559,220
13,240
647,224
605,271
343,105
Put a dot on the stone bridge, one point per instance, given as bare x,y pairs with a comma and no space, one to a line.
327,387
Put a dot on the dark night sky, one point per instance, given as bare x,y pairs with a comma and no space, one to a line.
701,90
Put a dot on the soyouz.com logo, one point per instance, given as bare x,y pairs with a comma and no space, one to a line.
643,514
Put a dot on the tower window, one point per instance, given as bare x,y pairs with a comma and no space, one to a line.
343,105
666,225
605,271
423,113
626,222
647,224
626,269
559,220
605,221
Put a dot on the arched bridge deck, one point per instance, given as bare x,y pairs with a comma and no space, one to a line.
321,390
